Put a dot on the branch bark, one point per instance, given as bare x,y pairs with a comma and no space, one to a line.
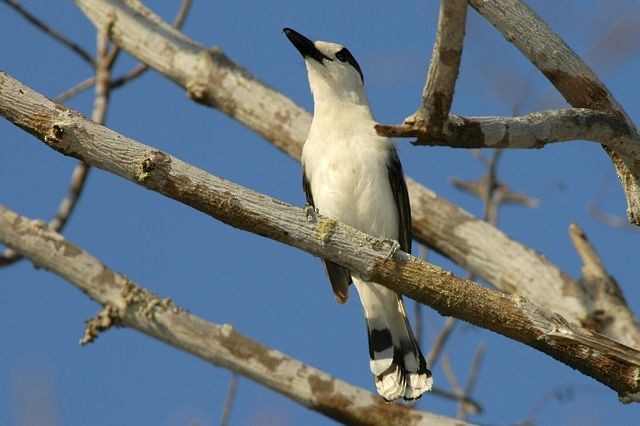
68,132
534,130
570,75
213,79
129,305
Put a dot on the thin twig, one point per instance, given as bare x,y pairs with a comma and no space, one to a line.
86,56
447,368
491,204
476,407
106,60
77,89
231,397
438,345
609,219
464,408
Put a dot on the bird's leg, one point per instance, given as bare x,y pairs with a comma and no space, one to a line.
310,212
394,246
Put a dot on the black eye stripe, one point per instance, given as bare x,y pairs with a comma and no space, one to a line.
343,55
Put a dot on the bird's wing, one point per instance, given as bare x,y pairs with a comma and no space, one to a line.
401,195
339,277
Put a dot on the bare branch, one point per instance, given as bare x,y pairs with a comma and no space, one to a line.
231,397
466,405
438,345
474,406
492,191
603,288
609,219
452,378
76,89
105,61
534,130
443,70
86,56
475,368
213,79
129,305
68,132
570,75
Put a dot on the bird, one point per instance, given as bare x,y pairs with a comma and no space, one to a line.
353,175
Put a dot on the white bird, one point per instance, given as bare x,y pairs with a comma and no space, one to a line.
354,176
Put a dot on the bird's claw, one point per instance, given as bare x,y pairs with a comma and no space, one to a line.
394,247
310,213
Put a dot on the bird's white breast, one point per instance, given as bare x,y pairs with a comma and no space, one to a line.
347,169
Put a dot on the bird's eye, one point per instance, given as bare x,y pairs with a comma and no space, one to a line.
343,55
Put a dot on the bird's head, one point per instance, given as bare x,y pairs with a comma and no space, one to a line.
333,71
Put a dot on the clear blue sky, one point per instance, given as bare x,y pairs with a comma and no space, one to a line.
276,294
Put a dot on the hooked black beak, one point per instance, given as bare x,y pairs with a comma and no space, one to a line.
304,45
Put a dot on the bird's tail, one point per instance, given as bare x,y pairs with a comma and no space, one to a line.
397,364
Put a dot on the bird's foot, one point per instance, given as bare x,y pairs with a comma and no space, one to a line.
311,213
394,246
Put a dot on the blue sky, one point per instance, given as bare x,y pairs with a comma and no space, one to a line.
275,294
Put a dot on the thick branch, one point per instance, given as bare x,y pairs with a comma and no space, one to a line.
209,76
68,132
534,130
580,86
212,78
127,304
443,70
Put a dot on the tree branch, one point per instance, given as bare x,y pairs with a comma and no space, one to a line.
603,288
129,305
534,130
443,70
68,132
213,79
570,75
